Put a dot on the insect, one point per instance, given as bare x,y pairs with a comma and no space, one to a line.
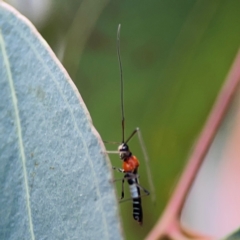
130,162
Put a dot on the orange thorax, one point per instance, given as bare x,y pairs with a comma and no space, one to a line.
130,164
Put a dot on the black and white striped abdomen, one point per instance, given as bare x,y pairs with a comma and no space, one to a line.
135,194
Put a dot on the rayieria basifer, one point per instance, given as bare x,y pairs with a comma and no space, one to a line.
130,162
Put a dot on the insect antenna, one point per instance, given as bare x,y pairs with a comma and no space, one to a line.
121,80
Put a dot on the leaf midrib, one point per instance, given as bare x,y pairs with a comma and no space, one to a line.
19,131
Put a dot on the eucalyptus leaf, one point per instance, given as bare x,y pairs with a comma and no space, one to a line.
55,180
234,236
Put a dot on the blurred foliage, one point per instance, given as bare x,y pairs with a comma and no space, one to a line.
234,236
175,56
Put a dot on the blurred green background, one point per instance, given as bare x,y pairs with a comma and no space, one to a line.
175,56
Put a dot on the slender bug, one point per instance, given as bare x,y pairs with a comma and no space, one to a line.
130,162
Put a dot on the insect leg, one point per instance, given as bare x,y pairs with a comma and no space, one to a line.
120,179
134,182
123,180
111,142
122,189
112,152
144,190
146,193
118,169
146,158
133,133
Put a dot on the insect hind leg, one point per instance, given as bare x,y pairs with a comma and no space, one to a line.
133,176
146,193
146,158
123,180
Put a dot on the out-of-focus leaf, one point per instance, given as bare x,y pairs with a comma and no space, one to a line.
234,236
54,178
79,33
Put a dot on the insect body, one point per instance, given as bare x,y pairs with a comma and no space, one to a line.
135,193
130,167
130,163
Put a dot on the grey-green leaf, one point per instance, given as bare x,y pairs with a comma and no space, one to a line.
55,180
233,236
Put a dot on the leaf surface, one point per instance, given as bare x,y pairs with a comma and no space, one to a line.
55,181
